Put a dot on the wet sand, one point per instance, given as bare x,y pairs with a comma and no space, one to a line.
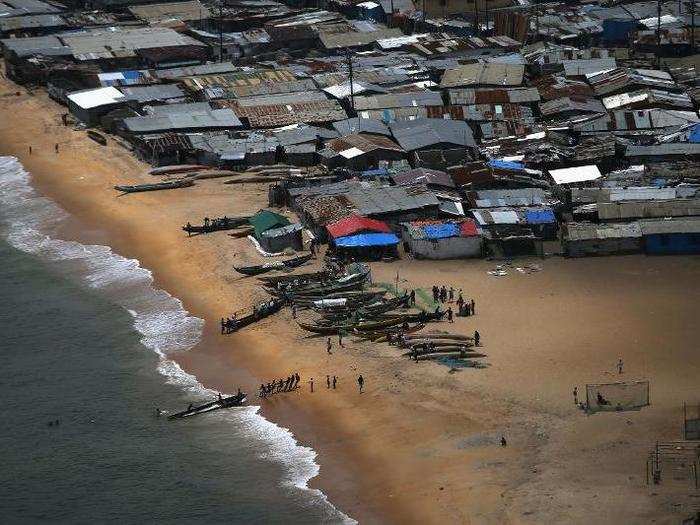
421,445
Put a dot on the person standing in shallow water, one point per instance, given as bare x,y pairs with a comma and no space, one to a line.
361,382
335,382
311,382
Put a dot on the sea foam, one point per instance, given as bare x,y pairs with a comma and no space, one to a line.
28,221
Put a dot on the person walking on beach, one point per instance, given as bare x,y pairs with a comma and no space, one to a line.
443,294
340,338
335,382
30,150
451,294
449,315
504,443
311,382
328,382
460,302
294,311
296,379
412,298
55,148
361,382
575,395
619,366
473,309
329,345
477,338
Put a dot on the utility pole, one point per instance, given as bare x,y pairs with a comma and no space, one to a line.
658,34
692,26
221,31
348,57
486,15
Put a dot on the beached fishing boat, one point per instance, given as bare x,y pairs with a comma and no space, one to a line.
377,335
183,183
419,343
97,137
453,337
322,330
297,261
259,268
177,168
218,224
301,278
453,355
225,402
275,265
259,312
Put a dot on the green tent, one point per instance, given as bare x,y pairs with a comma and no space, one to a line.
266,220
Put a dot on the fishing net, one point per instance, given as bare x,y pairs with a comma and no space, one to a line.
617,396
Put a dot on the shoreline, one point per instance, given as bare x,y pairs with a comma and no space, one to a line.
421,445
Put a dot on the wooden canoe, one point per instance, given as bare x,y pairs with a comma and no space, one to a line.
259,268
155,187
177,168
218,224
460,355
97,137
226,402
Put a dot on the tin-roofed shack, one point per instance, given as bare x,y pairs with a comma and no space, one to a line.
442,240
581,239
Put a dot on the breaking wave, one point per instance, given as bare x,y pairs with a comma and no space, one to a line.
28,220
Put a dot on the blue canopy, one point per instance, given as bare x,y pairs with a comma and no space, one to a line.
506,165
544,216
364,240
694,135
441,231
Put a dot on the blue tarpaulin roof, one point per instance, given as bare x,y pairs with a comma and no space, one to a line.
506,165
694,135
364,240
539,216
379,172
441,231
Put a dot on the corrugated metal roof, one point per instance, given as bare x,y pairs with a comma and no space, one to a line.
358,125
642,209
354,39
577,174
483,74
183,117
589,231
422,133
144,94
92,98
670,226
399,100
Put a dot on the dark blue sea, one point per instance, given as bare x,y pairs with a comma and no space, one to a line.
85,339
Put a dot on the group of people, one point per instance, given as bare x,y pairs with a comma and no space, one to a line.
280,385
333,383
442,294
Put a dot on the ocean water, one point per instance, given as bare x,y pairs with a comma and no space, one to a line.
86,339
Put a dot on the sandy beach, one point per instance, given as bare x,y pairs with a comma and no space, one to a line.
422,444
